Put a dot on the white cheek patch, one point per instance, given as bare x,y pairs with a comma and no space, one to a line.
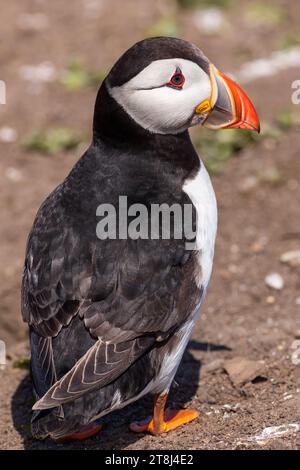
160,108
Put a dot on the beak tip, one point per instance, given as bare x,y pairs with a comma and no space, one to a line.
256,127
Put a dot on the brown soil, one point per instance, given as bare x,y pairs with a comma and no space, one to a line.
256,226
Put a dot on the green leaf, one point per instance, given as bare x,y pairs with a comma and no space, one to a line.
287,119
52,141
76,77
218,147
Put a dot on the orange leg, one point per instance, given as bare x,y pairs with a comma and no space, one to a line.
163,421
84,433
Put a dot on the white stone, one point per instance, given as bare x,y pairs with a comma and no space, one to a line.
292,258
209,21
269,66
44,72
13,174
273,432
275,281
8,134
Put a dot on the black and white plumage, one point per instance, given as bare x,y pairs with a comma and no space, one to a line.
109,319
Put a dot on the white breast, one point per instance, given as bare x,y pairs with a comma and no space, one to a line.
202,195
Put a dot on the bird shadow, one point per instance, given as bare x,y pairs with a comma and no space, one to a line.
115,433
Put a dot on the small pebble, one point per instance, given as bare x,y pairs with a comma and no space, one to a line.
44,72
256,248
209,21
8,134
274,281
270,299
233,268
13,174
292,258
233,408
276,432
248,184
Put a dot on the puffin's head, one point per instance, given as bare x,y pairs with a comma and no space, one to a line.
167,85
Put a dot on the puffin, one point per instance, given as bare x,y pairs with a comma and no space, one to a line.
110,316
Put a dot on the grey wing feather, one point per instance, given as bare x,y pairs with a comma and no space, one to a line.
42,364
101,364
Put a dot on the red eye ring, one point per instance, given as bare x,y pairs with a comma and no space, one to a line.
177,80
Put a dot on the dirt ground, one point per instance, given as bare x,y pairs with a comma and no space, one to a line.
259,220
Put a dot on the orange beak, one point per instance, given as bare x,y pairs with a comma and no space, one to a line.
228,106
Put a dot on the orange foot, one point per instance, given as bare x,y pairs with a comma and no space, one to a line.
85,432
163,421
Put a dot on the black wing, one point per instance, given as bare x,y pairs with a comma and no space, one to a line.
125,291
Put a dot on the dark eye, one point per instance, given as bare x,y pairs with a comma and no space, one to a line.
177,80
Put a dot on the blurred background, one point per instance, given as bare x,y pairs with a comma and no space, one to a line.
53,57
